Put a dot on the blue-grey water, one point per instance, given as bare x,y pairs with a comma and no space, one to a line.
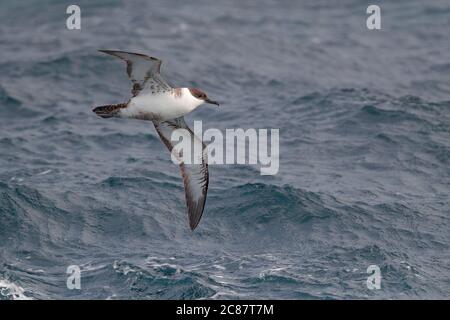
364,179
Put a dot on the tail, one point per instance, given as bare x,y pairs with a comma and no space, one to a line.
109,111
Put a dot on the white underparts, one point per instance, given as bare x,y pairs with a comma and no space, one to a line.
161,106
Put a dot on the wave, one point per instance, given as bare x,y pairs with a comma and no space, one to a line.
11,291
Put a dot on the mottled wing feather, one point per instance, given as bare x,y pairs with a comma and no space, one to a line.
195,176
143,71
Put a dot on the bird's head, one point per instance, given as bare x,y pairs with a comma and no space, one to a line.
200,95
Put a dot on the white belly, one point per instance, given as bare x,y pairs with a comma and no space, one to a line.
163,106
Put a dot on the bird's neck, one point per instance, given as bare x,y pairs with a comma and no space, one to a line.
187,98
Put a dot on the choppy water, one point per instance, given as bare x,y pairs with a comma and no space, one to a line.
364,119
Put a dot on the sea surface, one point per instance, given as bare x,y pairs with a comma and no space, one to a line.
364,178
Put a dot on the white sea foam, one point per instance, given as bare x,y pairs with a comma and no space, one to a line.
12,290
44,172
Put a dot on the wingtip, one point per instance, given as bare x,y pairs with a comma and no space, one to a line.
118,54
193,225
105,51
194,220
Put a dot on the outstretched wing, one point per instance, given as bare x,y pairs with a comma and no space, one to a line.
143,71
195,176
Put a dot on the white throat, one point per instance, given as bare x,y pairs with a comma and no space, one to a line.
191,101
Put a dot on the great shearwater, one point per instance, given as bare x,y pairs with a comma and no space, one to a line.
153,99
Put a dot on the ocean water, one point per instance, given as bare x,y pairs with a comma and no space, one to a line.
364,179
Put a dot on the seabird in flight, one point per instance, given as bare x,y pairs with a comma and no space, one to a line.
153,99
